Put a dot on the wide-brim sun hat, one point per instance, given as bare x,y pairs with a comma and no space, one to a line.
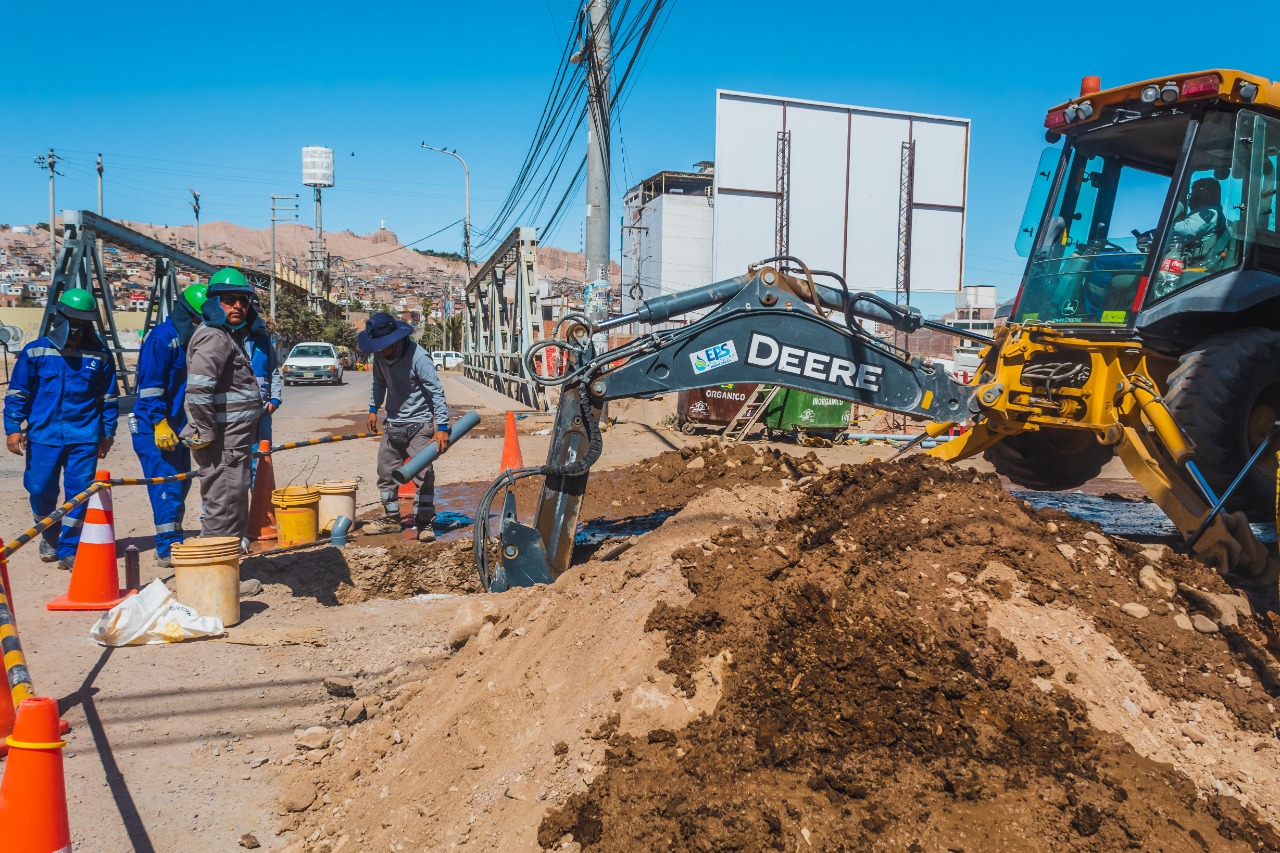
381,331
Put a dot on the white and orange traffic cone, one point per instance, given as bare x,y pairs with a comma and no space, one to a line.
95,576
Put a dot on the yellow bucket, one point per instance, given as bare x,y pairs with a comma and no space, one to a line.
337,497
296,526
207,572
295,496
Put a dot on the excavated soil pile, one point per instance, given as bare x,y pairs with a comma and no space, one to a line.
887,656
392,569
875,700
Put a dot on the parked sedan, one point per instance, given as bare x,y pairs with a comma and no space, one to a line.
313,362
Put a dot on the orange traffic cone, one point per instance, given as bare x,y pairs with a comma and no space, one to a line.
262,512
33,792
95,577
511,456
111,513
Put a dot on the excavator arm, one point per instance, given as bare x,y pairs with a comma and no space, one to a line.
772,327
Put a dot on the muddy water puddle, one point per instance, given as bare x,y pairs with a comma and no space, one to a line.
464,498
1135,519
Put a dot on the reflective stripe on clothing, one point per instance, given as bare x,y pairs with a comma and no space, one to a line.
150,392
236,417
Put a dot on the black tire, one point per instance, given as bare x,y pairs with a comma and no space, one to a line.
1050,460
1225,394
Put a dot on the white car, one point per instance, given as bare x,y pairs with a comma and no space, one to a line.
313,361
446,359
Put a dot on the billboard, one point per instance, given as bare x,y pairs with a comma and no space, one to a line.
835,192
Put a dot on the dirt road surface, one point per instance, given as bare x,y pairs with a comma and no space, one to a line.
540,717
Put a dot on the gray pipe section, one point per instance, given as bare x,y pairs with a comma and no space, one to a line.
338,535
662,308
411,469
859,436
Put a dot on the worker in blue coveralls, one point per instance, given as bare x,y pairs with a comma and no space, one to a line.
158,416
63,388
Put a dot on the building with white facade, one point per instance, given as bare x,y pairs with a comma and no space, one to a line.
666,238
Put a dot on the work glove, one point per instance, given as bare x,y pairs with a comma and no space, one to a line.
166,438
195,442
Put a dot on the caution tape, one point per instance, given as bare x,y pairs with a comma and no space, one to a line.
311,442
98,485
15,663
52,518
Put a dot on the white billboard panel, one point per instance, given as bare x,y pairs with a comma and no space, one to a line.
843,189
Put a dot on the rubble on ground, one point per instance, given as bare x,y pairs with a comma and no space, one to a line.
881,656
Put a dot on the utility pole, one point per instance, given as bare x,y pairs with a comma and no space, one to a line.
195,205
596,52
274,210
99,184
49,161
466,217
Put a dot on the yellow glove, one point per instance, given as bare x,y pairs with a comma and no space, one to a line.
166,438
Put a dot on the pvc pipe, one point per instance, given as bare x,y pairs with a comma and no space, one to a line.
338,535
859,436
410,469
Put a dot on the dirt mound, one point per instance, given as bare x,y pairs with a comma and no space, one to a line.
886,656
870,702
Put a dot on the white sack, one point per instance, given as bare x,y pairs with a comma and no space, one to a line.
154,615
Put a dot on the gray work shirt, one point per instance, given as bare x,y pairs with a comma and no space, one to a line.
410,387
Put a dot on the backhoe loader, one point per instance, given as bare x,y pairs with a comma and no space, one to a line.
1147,325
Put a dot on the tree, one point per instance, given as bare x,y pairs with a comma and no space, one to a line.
295,321
340,333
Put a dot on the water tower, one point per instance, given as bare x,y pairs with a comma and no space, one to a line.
317,173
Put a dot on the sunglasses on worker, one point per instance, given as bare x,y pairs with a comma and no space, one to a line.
233,298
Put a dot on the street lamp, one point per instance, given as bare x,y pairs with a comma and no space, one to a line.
466,218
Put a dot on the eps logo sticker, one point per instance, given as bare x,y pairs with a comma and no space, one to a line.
713,357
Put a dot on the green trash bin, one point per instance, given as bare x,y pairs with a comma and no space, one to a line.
813,414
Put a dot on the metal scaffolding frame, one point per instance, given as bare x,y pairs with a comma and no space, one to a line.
503,318
80,265
782,214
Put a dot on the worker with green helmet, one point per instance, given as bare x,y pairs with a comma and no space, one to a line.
61,410
160,414
225,401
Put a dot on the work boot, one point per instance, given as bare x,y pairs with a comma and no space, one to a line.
426,534
66,563
387,524
164,562
48,553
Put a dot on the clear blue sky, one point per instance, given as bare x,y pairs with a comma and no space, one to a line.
221,96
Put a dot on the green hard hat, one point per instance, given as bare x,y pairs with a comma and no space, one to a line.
195,295
228,279
78,304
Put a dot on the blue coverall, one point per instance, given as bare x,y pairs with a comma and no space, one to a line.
162,390
262,356
67,398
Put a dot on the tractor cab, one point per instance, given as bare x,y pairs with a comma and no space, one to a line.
1160,190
